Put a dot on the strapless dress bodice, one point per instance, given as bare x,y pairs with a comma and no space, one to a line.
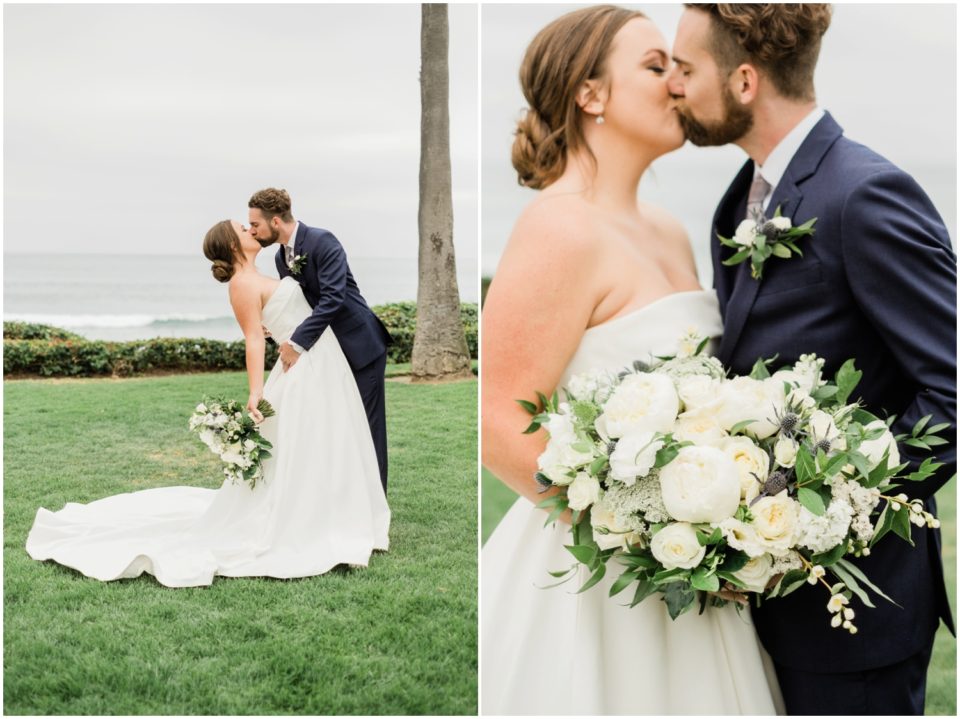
654,329
285,310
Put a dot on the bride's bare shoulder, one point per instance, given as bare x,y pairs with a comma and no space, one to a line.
560,226
668,226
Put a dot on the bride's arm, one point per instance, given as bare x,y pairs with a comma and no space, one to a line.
535,313
245,300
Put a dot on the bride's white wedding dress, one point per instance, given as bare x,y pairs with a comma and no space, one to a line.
554,652
319,504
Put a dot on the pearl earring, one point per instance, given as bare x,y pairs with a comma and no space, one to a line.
599,119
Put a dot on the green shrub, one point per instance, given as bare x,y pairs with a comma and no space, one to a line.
28,331
51,352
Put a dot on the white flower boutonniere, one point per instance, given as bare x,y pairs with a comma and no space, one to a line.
297,264
757,239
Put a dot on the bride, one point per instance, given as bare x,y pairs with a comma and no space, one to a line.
320,502
591,279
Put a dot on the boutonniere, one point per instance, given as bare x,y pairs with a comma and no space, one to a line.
757,239
297,264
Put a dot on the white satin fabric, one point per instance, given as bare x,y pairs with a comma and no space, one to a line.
554,652
319,504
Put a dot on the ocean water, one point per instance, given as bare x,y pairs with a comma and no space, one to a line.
126,297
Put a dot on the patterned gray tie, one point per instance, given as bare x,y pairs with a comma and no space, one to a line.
288,252
758,191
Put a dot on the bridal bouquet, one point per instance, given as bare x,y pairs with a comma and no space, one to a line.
694,480
232,435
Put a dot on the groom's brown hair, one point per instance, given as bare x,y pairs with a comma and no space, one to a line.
781,39
272,202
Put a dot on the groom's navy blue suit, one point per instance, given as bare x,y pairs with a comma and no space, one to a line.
329,287
877,282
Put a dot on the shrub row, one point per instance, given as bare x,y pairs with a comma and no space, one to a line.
52,352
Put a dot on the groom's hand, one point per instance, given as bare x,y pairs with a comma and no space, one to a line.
288,356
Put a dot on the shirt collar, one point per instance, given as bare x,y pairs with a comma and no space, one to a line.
293,238
779,158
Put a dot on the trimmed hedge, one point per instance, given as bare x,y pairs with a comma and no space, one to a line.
51,352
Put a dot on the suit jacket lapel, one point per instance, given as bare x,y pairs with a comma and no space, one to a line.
787,196
298,238
729,213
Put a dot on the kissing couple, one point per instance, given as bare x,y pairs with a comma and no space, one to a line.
322,499
591,278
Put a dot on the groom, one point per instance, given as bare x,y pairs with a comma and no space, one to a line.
316,259
877,282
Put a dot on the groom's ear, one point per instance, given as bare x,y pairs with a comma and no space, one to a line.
744,83
591,97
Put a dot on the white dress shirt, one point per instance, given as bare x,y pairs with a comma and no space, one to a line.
288,255
780,157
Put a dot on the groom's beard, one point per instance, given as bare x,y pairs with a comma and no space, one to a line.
737,121
269,239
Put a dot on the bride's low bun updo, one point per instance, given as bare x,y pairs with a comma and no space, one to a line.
565,54
221,246
222,270
538,151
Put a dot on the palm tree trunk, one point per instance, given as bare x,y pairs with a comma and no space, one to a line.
439,345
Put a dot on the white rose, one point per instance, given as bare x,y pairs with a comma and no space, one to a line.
822,426
697,390
676,546
249,444
785,451
781,223
645,402
756,573
616,536
701,485
634,456
742,536
873,449
702,427
775,520
560,458
744,398
753,464
201,408
583,491
746,233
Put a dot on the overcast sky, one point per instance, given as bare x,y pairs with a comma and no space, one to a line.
887,73
134,128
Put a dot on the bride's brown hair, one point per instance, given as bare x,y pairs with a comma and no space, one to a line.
565,54
221,246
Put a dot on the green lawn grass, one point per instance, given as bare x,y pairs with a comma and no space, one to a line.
399,637
496,498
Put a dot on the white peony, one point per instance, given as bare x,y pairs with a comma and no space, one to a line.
700,485
746,233
700,427
776,521
742,536
744,398
873,449
583,491
697,390
756,573
645,402
634,456
753,464
676,546
785,451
